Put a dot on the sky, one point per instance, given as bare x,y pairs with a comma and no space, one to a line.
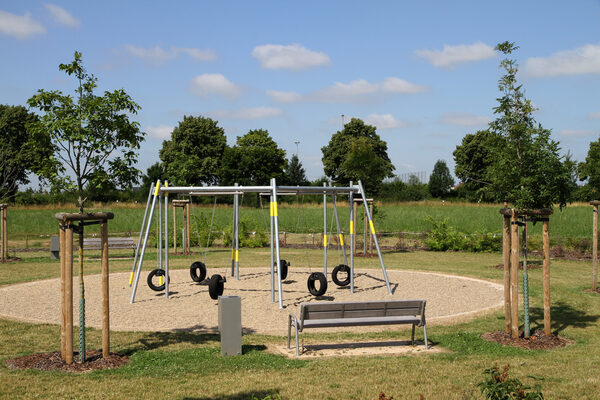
424,73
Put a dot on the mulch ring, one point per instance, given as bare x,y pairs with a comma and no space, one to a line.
53,362
531,264
537,340
597,291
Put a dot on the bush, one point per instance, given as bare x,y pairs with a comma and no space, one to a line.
443,237
250,235
498,386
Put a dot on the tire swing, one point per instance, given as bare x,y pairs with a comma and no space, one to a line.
216,284
341,269
284,268
314,277
198,271
156,272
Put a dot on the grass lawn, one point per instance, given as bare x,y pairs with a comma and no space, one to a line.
188,366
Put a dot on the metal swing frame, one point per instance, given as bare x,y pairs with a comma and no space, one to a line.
160,194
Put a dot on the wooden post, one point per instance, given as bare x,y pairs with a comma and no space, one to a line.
174,228
546,240
68,294
366,229
595,250
105,291
3,232
507,272
63,303
514,284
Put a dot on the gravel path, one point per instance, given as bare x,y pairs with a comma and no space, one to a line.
449,299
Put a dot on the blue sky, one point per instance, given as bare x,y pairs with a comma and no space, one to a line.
424,73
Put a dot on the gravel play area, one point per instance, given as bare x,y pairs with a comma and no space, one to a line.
449,299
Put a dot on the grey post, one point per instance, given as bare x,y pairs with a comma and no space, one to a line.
272,249
166,233
325,232
141,260
371,226
276,237
230,325
139,243
233,233
352,227
237,237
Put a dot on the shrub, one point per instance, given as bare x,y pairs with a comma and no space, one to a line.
443,236
498,386
250,235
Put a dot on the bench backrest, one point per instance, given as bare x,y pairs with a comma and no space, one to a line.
384,308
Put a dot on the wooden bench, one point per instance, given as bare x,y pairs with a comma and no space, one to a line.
327,315
93,244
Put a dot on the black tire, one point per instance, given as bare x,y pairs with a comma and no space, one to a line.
151,275
317,276
198,271
344,269
216,284
284,269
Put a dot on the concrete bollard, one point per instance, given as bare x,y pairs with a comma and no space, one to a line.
230,325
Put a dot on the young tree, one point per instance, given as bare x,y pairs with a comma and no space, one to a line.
92,141
440,180
254,160
21,151
357,153
193,155
294,173
526,168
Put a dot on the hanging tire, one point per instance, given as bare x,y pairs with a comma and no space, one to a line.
317,276
216,284
344,269
155,272
284,268
198,271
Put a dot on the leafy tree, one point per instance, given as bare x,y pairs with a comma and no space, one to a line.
526,167
440,180
193,155
92,141
91,136
21,151
294,173
153,173
472,159
254,160
357,153
590,170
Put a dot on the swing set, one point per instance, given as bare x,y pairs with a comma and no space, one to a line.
159,196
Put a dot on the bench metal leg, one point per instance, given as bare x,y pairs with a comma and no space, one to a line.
412,336
425,333
293,319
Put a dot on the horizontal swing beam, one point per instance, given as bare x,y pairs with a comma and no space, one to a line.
232,190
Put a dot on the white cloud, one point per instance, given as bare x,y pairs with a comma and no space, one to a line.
292,57
208,84
451,56
384,121
157,54
465,119
576,133
582,60
594,115
18,26
160,131
248,113
284,97
62,16
360,88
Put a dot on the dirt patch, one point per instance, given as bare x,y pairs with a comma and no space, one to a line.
597,291
53,362
530,265
537,341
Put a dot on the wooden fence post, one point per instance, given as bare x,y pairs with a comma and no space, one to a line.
546,240
105,291
507,272
514,285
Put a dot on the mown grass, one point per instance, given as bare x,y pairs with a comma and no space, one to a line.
185,365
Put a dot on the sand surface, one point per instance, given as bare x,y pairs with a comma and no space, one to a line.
189,307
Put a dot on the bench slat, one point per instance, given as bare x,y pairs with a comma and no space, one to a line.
330,323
